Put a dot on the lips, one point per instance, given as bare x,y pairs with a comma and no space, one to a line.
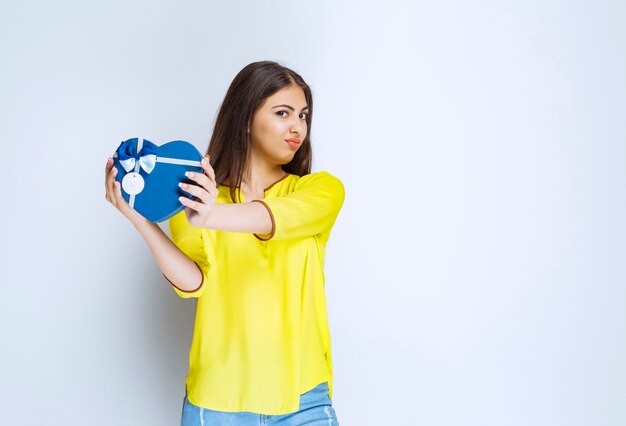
294,143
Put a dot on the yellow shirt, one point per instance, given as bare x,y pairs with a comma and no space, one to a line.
261,336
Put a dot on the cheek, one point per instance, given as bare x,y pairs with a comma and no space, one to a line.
273,127
269,131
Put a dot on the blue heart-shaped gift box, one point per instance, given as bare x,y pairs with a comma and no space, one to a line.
149,175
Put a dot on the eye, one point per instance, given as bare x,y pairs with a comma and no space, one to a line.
306,114
281,111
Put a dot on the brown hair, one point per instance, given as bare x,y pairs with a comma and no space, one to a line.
229,147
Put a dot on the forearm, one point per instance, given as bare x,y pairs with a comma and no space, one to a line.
177,267
250,217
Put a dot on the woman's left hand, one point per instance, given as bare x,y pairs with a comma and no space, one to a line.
205,191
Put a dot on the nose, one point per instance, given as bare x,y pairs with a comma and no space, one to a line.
297,128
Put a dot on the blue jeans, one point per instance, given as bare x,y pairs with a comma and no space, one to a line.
315,409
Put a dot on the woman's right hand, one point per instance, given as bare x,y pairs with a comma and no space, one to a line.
114,195
205,191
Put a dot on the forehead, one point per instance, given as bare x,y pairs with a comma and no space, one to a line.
290,95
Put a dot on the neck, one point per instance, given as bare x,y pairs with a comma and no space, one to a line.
259,175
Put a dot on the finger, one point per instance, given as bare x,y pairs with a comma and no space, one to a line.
205,184
120,201
213,191
208,169
202,179
194,205
111,183
116,189
196,191
107,168
123,206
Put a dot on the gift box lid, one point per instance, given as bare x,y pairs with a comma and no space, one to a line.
149,175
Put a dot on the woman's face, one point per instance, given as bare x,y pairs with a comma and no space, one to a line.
280,118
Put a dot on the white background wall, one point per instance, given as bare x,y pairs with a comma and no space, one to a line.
476,274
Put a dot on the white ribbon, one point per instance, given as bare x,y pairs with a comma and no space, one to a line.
147,162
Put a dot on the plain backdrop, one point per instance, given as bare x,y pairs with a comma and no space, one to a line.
476,274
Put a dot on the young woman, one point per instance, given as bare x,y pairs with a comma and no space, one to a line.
251,248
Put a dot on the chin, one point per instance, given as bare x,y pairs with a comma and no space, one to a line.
285,160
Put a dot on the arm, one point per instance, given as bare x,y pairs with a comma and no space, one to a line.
180,270
310,210
177,266
205,213
240,217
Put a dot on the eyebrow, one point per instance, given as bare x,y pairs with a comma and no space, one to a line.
290,107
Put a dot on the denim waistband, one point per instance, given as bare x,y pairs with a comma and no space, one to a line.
312,398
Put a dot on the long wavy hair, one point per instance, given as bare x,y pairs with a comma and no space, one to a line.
229,147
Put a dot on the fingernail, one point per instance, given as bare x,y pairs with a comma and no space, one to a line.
204,161
189,174
182,185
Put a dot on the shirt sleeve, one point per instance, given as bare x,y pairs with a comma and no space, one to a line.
190,241
310,209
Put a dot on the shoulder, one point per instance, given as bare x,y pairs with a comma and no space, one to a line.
320,179
322,186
